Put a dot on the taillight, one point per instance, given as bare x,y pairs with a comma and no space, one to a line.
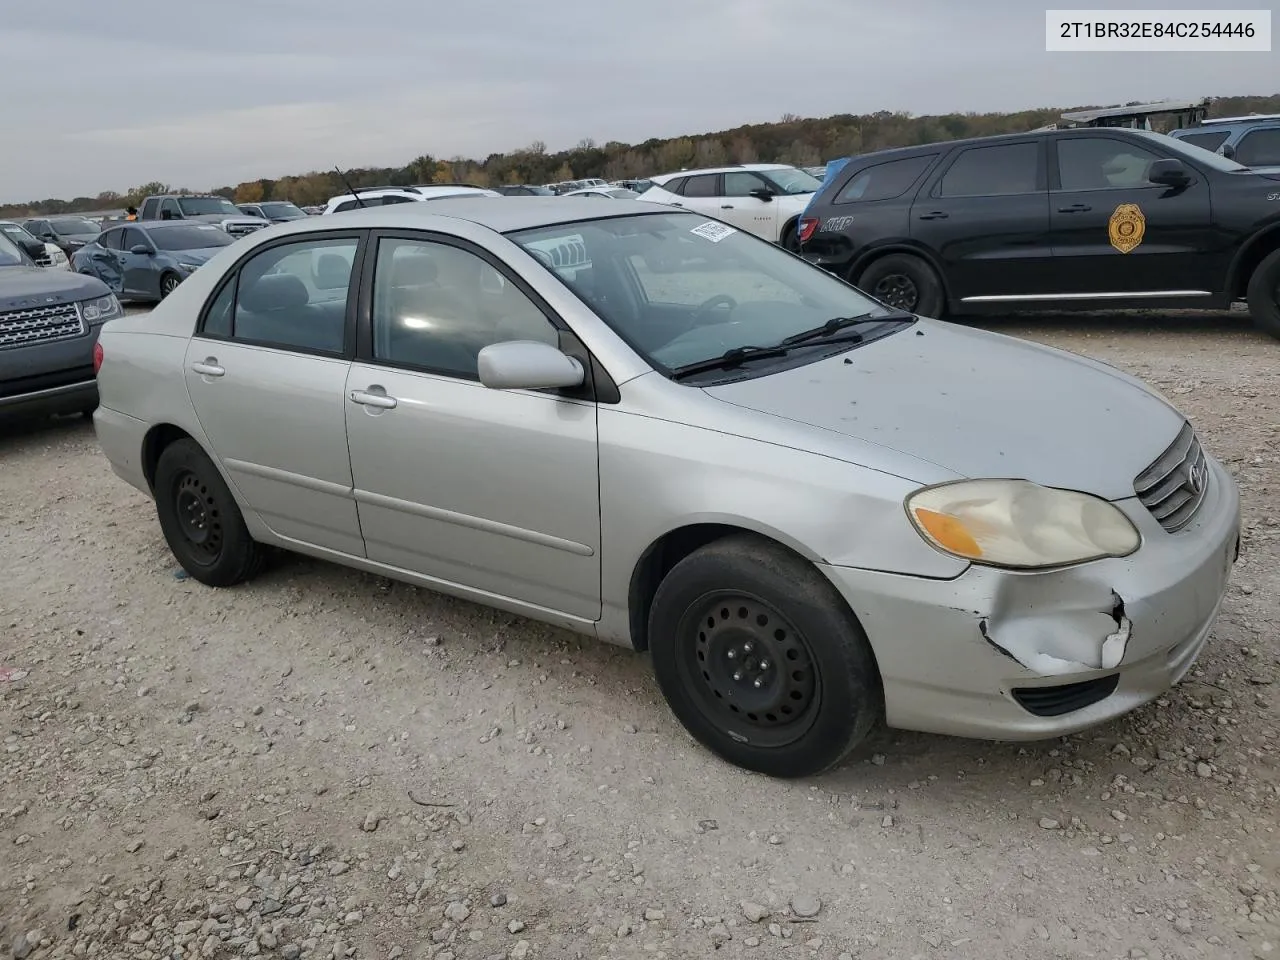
97,358
808,226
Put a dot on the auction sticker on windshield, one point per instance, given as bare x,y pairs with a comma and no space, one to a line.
715,232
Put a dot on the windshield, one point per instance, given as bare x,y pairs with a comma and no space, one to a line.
75,227
10,255
189,237
280,209
622,193
792,181
1192,152
202,206
681,289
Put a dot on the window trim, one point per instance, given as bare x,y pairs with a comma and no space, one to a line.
911,188
361,237
941,171
597,387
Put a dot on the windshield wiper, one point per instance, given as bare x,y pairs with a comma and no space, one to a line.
836,324
728,360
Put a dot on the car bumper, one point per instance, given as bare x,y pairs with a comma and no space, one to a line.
1019,656
48,378
120,437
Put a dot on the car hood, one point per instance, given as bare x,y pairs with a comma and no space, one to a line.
35,287
979,405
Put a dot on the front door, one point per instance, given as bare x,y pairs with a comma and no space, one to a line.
985,216
1116,233
104,259
495,491
747,212
140,278
266,372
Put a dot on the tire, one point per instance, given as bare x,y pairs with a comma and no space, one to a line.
789,240
904,282
200,520
169,283
1264,294
799,722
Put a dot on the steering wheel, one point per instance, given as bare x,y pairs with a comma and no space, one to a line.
704,308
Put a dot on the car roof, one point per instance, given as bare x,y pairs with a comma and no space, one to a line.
501,216
426,192
662,178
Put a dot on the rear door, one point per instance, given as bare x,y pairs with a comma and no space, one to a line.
140,276
985,215
104,259
266,372
1116,234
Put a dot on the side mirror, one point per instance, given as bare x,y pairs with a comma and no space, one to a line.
1168,173
527,365
140,248
1228,151
762,193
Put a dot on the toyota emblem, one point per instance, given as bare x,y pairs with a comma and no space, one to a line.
1198,476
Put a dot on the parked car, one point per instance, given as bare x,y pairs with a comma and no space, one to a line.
147,259
68,234
525,190
608,193
274,211
383,196
44,254
689,442
211,209
1065,219
49,325
639,186
762,198
1251,141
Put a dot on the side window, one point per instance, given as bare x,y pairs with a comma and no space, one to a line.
436,306
217,321
132,235
149,209
741,184
294,296
884,181
702,186
1100,163
170,206
1004,170
1207,141
111,239
1259,148
345,205
676,186
395,198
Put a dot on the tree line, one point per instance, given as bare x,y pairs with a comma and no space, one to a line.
803,141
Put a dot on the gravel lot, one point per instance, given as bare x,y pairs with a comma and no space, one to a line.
326,764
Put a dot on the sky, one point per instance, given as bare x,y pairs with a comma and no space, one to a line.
109,95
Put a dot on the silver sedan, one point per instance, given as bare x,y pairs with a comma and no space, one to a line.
813,512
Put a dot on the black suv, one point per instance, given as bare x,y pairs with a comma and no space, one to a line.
1062,219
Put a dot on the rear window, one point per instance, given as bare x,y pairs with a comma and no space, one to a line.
884,181
1259,148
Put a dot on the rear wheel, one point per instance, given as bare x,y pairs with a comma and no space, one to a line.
790,239
200,519
904,282
760,660
1264,294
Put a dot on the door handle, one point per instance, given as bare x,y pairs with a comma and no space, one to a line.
379,400
1076,208
934,215
208,368
677,204
726,206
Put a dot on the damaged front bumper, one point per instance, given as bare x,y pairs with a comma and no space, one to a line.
1012,655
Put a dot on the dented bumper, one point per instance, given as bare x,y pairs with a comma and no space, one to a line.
1018,656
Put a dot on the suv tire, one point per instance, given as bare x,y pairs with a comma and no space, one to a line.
1264,294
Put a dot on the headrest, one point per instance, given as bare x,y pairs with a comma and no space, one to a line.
413,269
281,291
332,271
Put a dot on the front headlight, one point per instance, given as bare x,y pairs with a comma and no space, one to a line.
1019,524
187,266
102,309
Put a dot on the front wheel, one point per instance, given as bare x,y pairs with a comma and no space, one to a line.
168,283
760,660
904,282
1264,294
200,519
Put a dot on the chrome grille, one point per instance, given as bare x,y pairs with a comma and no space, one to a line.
1174,487
56,321
242,229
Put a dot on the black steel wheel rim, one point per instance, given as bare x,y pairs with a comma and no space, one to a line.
897,290
199,520
751,672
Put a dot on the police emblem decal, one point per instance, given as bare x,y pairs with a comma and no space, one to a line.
1126,227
